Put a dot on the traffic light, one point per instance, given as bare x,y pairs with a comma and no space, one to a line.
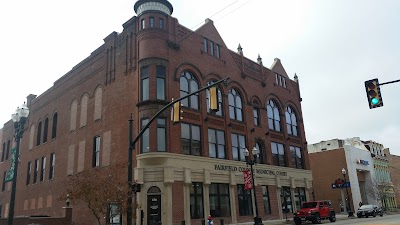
373,93
177,112
213,99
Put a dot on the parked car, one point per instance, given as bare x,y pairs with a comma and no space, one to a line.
369,210
315,211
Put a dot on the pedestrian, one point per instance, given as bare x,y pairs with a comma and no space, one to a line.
360,204
210,220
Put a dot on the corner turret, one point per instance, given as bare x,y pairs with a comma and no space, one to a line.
143,6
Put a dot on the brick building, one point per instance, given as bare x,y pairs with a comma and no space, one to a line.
394,166
367,170
187,170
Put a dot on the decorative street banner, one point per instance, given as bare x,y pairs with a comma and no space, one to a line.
247,180
10,174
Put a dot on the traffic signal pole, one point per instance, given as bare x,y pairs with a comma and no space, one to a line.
389,82
372,88
133,142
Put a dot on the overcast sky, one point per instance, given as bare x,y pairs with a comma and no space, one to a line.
332,45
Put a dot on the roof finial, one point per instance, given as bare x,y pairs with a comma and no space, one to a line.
296,78
240,49
259,60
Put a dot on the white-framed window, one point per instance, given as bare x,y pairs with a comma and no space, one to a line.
96,151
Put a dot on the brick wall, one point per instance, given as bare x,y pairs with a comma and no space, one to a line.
394,165
113,71
326,167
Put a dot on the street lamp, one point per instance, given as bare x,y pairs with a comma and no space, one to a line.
251,162
347,192
19,119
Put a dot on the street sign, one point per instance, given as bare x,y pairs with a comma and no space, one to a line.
345,185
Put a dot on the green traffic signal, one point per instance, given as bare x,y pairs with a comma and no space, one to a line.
373,93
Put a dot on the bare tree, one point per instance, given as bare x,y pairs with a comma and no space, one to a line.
98,187
380,190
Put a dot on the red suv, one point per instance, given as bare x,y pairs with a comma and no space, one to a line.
315,211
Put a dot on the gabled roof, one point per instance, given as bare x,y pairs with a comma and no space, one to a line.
278,68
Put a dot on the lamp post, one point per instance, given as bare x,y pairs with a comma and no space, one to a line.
251,162
19,119
347,192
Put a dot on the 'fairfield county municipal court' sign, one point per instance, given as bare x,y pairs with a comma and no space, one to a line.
240,169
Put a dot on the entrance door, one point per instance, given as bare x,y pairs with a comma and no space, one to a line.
154,206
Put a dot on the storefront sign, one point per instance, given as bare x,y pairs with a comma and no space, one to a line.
240,169
364,162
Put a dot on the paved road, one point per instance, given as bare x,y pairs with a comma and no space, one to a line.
385,220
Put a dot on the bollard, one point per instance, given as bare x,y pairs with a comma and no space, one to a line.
221,221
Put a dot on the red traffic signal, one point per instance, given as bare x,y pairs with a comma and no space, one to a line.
373,93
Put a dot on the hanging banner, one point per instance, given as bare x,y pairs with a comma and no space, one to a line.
10,174
247,180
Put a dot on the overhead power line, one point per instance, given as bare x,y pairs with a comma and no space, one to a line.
234,10
217,14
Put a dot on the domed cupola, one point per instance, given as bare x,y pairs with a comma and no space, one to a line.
143,6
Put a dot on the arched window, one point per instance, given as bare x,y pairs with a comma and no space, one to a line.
219,96
235,105
291,121
46,130
98,103
154,190
274,120
74,110
39,133
189,84
54,127
32,136
84,109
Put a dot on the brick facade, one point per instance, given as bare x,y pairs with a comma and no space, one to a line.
366,166
395,175
96,98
